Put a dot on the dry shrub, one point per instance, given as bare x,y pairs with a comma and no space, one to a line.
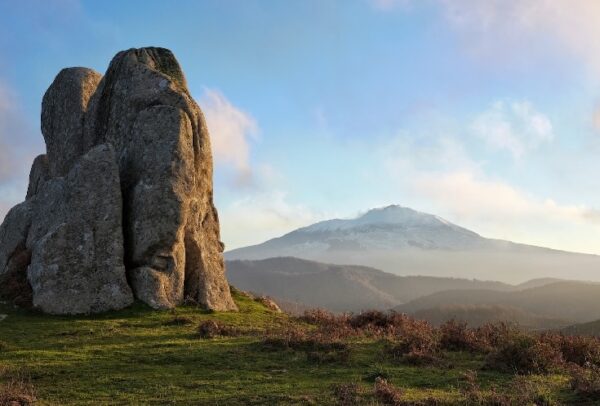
471,389
579,350
521,392
416,345
524,354
346,394
212,329
334,326
492,335
586,381
455,336
318,346
321,317
369,323
17,391
387,393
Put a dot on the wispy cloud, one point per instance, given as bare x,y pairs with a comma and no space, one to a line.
513,126
504,27
439,175
258,217
231,131
499,30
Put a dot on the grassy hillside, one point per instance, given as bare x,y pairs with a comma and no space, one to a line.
256,356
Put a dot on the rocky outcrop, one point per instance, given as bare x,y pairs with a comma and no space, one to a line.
77,256
63,111
122,202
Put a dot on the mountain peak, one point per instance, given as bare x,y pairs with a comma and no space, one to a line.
392,215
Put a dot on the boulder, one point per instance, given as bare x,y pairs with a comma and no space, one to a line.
172,242
77,261
63,111
121,205
15,256
38,175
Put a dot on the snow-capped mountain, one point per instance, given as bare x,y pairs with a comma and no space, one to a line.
408,242
392,227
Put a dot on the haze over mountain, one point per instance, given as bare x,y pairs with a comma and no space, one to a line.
339,287
479,314
566,300
407,242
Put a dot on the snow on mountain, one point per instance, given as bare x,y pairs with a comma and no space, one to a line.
404,241
391,227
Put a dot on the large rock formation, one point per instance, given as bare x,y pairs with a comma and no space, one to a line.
121,204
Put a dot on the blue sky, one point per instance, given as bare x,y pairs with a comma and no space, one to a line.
485,113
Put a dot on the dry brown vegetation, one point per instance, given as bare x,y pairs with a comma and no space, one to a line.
17,391
505,347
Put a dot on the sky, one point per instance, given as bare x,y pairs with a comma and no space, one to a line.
486,113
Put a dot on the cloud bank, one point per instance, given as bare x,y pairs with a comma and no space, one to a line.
231,131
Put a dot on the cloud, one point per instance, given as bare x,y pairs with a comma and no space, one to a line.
231,130
259,217
503,27
439,176
513,126
499,30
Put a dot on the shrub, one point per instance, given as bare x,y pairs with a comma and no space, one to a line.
523,355
387,393
417,346
346,394
521,392
492,335
318,347
17,392
586,381
580,350
455,336
471,389
212,329
320,317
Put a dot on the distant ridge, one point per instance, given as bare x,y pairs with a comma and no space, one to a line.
567,300
303,284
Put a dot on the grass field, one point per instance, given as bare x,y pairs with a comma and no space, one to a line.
142,356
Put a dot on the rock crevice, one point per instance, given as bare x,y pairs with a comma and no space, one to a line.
120,206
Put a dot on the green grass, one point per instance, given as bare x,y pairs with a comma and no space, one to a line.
136,356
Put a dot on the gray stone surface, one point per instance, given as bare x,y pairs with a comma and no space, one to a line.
14,254
77,264
63,110
38,175
172,242
126,181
